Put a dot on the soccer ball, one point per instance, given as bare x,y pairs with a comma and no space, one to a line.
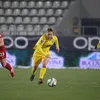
52,82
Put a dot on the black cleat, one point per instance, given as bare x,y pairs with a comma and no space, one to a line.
40,81
32,77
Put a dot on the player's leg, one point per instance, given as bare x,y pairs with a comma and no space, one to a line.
43,70
3,61
8,66
36,62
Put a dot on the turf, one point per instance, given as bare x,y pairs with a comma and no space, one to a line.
73,84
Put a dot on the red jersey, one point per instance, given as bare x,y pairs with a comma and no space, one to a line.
2,51
0,36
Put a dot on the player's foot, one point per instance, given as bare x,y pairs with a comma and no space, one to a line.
32,77
12,72
40,81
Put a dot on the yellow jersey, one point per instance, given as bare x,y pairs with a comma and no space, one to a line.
45,44
98,45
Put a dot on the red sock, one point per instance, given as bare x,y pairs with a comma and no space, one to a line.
8,66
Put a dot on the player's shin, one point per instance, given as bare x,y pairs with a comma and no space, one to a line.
42,72
11,69
33,73
34,70
8,66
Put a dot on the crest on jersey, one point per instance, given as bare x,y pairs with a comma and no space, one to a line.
41,41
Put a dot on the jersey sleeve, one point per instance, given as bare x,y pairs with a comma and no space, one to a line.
41,41
56,42
39,44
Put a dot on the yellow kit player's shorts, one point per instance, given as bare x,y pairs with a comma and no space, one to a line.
37,58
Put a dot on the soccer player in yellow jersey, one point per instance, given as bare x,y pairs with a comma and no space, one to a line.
42,53
98,45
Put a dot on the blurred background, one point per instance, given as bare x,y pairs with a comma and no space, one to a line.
75,22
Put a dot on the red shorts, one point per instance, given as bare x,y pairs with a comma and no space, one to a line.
2,52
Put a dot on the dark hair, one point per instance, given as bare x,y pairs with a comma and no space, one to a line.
50,30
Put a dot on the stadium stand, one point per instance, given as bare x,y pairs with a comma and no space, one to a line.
30,17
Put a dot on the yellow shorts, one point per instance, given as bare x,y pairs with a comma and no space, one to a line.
37,58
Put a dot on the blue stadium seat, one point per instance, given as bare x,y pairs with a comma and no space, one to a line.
35,20
8,12
47,4
4,28
15,4
1,12
64,4
25,12
10,20
14,33
18,20
39,4
49,12
16,12
20,28
6,4
31,33
23,4
29,28
58,12
59,19
31,4
41,12
33,12
1,3
51,20
12,28
56,4
26,20
43,20
2,20
22,33
37,28
44,28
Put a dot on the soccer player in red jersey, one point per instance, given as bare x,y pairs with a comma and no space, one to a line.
3,57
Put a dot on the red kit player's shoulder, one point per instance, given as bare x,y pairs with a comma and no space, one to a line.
0,36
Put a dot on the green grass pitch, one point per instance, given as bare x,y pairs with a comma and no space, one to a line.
73,84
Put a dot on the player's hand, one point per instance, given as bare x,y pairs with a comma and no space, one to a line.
47,56
57,49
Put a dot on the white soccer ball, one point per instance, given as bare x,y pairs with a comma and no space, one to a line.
52,82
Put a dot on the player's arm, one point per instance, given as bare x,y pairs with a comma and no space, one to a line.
57,44
39,45
1,41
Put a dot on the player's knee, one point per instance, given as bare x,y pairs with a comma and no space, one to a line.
35,67
44,66
3,64
45,62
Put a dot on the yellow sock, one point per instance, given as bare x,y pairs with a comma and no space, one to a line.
42,73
